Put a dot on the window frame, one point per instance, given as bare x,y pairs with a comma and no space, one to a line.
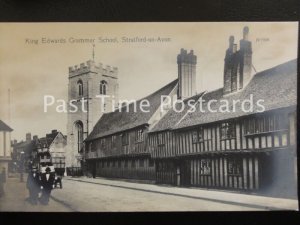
237,167
225,127
125,139
80,88
196,135
139,135
161,139
265,124
103,143
103,87
208,164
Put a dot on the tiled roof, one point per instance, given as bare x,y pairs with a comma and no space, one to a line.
276,86
116,121
4,126
172,116
45,141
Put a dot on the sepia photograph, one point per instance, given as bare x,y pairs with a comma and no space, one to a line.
148,116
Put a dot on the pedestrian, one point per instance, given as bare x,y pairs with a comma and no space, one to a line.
2,181
47,184
33,185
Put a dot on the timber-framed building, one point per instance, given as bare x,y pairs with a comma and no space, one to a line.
240,150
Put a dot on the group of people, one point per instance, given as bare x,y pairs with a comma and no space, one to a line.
40,182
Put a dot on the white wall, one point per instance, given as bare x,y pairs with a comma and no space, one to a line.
1,143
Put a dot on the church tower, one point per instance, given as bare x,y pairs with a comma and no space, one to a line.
87,82
186,74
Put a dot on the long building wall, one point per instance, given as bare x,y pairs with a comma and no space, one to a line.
182,159
216,155
263,135
132,168
217,176
113,145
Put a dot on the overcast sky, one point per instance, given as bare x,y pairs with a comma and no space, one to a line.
32,71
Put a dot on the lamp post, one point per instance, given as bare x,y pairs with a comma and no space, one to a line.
22,167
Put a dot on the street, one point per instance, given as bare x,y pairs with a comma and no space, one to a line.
104,195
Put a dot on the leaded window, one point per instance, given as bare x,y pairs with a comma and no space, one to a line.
227,130
197,135
139,135
125,139
235,167
205,167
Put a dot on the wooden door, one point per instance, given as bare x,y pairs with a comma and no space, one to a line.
185,173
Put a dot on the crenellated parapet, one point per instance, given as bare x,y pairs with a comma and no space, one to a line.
91,66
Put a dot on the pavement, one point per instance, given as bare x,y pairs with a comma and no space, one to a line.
119,195
83,194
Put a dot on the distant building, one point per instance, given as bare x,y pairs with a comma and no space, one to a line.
56,142
21,152
5,146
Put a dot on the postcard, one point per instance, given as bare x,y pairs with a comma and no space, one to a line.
160,116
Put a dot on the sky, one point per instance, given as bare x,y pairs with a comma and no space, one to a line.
31,70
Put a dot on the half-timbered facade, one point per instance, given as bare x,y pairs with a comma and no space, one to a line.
117,146
235,149
249,146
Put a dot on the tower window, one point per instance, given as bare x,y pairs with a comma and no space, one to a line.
80,87
79,135
103,87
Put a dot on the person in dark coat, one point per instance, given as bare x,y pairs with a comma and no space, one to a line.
2,181
47,184
33,185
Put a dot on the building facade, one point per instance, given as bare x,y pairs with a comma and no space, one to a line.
87,82
5,146
244,147
238,150
118,144
55,143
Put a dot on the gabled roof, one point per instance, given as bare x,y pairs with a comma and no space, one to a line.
116,121
174,115
48,140
22,144
276,86
4,127
45,141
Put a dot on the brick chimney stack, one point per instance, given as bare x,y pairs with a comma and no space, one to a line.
186,74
